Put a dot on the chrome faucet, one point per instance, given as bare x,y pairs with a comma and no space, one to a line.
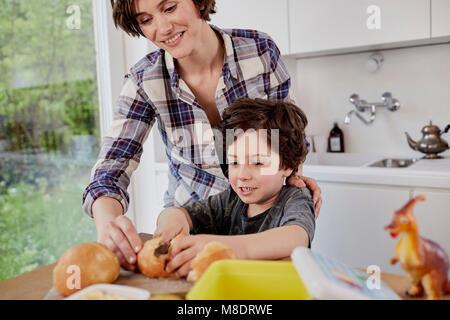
362,106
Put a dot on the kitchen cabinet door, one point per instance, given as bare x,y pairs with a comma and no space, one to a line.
268,16
351,224
433,216
440,21
322,25
149,183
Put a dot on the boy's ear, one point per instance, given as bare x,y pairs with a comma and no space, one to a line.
287,171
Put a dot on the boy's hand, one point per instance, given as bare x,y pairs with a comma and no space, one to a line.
300,181
172,222
184,250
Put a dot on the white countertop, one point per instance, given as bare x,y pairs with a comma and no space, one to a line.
354,168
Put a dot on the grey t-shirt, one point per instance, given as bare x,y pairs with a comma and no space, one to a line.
226,214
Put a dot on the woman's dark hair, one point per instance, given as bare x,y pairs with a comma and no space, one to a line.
256,114
124,14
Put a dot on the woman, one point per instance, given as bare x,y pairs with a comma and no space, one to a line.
184,86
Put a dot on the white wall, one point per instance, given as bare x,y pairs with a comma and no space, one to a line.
418,77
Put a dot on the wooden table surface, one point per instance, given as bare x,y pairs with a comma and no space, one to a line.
36,284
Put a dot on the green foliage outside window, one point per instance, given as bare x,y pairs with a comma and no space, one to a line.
48,96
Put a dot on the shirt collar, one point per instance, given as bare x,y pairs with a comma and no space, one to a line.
229,62
229,67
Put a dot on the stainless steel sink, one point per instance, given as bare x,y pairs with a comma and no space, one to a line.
393,163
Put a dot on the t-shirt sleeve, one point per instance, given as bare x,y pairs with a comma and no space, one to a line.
299,211
207,215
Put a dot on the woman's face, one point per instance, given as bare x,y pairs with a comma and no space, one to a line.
172,25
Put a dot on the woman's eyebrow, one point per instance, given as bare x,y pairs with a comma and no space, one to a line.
158,6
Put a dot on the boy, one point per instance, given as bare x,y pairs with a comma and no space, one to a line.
258,216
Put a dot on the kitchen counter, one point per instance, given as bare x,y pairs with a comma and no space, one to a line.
354,168
38,284
35,285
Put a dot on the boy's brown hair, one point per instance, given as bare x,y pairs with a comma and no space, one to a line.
124,14
256,114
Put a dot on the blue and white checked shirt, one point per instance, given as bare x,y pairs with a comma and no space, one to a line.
153,91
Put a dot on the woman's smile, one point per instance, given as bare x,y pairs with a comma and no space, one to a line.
175,40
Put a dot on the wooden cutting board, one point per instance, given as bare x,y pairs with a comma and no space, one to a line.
155,286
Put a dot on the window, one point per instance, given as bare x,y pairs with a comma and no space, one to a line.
49,129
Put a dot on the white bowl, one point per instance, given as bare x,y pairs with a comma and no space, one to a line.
111,291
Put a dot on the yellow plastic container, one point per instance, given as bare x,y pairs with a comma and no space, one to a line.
249,280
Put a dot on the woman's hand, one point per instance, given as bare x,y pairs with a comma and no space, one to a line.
116,231
300,181
171,222
184,250
121,237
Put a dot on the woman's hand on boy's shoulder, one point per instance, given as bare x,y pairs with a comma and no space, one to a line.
300,181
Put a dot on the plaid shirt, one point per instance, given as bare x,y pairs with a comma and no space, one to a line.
153,91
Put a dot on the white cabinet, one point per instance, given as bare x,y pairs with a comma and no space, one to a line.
440,18
303,28
322,25
150,182
268,16
351,224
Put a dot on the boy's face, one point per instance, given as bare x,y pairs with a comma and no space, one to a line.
172,25
253,169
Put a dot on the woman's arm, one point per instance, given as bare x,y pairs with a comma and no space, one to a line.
121,147
116,231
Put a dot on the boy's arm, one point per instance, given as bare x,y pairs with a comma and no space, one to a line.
171,222
273,244
199,217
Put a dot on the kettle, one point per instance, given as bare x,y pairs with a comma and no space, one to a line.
431,143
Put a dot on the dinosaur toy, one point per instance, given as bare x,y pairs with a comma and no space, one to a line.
424,261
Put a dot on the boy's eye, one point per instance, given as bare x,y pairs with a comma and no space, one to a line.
233,163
